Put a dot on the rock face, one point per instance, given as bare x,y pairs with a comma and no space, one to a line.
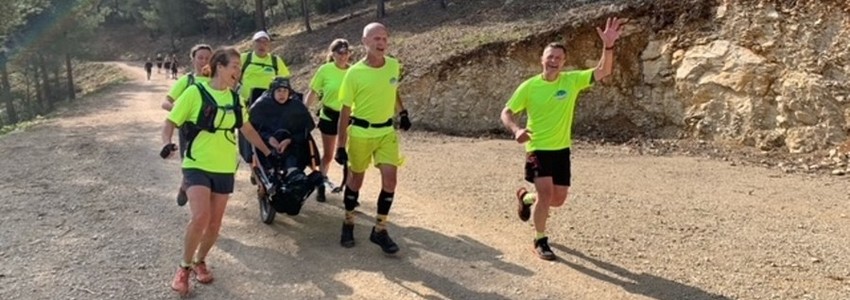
767,74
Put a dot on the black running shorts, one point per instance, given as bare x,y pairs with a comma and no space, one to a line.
549,163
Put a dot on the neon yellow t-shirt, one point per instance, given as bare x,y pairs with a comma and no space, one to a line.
371,94
212,152
327,82
260,73
550,107
182,84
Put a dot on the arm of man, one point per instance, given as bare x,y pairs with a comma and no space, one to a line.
509,120
613,29
399,105
346,96
342,127
516,105
404,118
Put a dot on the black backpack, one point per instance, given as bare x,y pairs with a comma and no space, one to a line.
207,117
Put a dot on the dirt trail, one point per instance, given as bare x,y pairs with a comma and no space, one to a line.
88,213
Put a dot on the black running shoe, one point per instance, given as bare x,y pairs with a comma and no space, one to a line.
382,238
523,210
320,193
541,247
347,239
181,197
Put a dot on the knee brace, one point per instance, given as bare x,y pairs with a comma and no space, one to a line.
385,201
350,199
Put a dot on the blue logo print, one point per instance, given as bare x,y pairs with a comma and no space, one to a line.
269,70
561,95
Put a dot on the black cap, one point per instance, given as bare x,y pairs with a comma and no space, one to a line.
279,82
340,46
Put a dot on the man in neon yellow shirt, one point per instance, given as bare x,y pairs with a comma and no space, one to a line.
369,95
259,68
549,99
262,68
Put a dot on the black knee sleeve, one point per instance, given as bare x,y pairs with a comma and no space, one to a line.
350,199
385,201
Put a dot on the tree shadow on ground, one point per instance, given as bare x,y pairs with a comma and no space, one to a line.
425,258
644,284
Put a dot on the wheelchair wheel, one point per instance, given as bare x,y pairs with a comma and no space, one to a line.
267,212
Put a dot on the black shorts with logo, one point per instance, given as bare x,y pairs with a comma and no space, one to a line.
219,183
329,127
548,163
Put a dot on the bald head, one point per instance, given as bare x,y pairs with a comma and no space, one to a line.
373,28
375,38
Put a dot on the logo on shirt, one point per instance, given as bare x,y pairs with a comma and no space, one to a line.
393,81
561,95
269,70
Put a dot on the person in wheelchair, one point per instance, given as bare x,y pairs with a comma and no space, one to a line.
285,124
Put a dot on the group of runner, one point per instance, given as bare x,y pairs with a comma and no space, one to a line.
169,62
359,105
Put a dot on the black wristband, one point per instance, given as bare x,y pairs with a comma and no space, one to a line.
609,48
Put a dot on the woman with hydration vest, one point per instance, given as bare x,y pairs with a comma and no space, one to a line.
210,111
200,57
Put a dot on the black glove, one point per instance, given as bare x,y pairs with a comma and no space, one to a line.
166,150
341,156
405,120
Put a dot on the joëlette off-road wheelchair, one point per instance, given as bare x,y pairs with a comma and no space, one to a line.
284,183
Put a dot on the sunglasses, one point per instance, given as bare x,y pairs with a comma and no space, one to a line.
342,51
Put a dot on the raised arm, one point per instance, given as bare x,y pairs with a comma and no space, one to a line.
613,29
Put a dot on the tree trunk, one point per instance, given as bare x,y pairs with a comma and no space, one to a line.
260,14
306,13
45,84
72,94
381,12
56,87
6,91
31,105
39,94
285,9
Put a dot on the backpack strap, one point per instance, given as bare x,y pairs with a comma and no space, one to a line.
246,64
190,80
237,109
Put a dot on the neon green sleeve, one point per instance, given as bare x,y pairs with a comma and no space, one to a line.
346,90
179,87
318,80
519,100
282,70
187,103
581,79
